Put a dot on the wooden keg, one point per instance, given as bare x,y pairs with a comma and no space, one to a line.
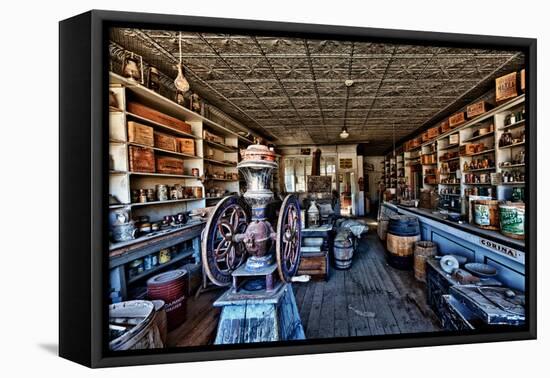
170,287
343,250
160,319
383,228
403,233
486,214
131,326
423,250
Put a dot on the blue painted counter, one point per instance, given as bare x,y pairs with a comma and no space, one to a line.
507,255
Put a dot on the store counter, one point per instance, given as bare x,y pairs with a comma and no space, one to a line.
507,255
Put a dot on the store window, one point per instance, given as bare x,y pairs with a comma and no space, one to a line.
297,169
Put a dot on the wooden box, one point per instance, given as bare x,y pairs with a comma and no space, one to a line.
477,108
522,80
141,159
156,116
444,126
213,137
433,132
454,315
169,165
314,264
506,87
468,149
457,119
453,139
186,146
165,142
425,136
140,134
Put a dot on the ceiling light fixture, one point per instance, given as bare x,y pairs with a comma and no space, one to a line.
181,82
349,83
344,134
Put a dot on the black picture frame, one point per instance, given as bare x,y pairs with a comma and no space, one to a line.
83,165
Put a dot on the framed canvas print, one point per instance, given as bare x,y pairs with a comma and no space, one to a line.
234,188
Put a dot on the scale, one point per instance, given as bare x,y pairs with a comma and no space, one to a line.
243,251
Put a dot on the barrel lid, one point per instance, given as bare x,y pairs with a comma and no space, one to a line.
167,277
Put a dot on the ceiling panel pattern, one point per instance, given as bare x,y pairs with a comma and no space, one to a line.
293,90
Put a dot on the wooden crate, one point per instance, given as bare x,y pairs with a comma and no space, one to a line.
156,116
477,108
142,159
165,142
506,87
425,136
457,119
169,165
141,134
314,264
522,80
186,146
433,132
468,149
213,137
444,126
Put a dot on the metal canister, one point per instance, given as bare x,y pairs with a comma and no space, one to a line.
151,197
179,191
162,192
164,256
142,196
195,172
148,262
135,195
197,191
173,193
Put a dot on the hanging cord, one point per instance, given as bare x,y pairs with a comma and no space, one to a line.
180,47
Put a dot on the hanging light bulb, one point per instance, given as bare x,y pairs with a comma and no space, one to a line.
181,82
344,134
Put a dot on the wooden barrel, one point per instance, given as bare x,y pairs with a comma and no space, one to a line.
383,228
170,287
422,250
403,225
131,326
512,219
160,319
486,214
343,250
403,233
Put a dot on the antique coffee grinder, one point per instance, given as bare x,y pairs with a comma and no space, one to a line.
243,249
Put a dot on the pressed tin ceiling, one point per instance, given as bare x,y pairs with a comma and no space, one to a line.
293,90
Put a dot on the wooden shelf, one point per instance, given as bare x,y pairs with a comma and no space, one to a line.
512,166
513,183
145,273
168,152
220,179
451,159
221,147
513,125
152,203
481,153
479,184
162,175
480,170
449,194
478,137
218,162
512,145
442,183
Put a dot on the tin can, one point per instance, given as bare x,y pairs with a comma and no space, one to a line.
154,260
179,191
197,191
142,196
164,256
162,192
151,197
173,193
148,262
135,195
195,172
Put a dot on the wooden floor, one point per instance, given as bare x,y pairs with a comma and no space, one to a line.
371,298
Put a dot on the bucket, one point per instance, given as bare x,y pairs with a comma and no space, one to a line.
423,250
512,220
343,250
486,214
131,326
403,225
